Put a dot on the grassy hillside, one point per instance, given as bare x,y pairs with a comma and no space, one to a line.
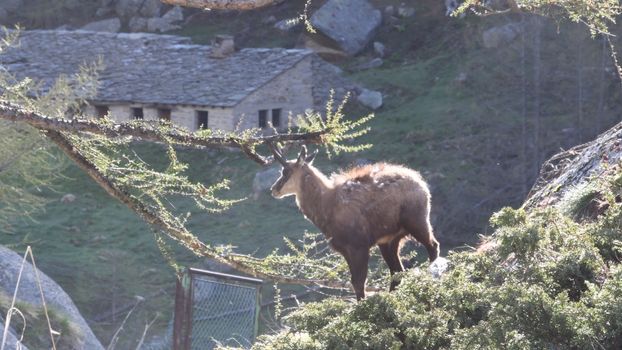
463,115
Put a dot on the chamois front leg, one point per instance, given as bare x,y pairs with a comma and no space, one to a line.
358,259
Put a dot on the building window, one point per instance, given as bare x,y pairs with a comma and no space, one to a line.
164,114
101,111
137,113
263,118
276,118
202,120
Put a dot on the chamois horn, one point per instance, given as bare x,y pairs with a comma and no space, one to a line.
276,151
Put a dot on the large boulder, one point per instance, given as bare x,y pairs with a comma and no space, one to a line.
144,8
160,25
264,179
501,35
150,8
176,14
12,339
112,25
55,296
167,22
370,99
350,23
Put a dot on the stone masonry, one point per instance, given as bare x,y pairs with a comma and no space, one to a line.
151,72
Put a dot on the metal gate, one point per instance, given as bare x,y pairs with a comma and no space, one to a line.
214,308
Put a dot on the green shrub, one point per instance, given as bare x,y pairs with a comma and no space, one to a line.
547,282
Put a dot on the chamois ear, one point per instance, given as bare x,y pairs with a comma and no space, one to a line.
310,158
302,156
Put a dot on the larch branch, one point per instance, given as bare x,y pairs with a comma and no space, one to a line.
54,129
149,132
181,235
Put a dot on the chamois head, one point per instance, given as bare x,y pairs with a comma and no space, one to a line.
289,182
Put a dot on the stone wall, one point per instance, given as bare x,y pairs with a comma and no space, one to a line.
291,92
184,116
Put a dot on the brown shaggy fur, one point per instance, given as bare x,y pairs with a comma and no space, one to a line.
359,208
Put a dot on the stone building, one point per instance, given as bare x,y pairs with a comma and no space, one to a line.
151,77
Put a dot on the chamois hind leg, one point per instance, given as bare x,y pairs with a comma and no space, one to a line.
391,255
419,227
358,259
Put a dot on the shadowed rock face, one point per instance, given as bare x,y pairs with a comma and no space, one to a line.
55,296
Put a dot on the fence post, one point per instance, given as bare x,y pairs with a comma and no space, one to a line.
182,322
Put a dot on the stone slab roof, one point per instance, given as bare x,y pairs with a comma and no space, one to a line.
149,68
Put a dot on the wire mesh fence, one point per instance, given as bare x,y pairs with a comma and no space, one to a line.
213,309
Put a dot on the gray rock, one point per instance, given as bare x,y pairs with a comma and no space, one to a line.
112,25
167,22
461,78
12,339
160,25
501,35
64,27
374,63
379,49
264,179
127,8
287,24
405,11
55,297
370,99
389,11
350,23
68,198
137,24
103,12
176,14
11,5
150,8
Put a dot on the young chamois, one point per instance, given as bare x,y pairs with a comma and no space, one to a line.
373,204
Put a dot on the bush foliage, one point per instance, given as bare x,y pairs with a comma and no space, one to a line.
544,280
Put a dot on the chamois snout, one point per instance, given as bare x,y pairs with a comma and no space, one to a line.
284,186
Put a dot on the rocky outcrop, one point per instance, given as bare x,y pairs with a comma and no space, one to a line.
350,23
55,296
112,25
576,168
